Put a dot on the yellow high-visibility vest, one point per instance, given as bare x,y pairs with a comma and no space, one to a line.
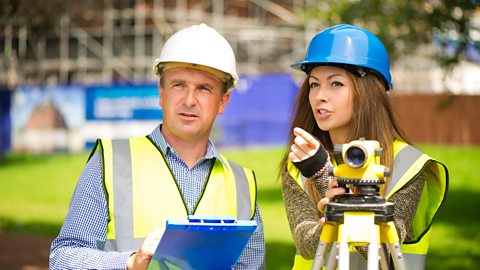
142,192
408,162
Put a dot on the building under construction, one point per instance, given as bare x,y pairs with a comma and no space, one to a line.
113,44
117,41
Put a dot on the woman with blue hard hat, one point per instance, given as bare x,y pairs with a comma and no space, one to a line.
343,98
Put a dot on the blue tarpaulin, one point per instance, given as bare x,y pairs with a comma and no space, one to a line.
259,111
5,121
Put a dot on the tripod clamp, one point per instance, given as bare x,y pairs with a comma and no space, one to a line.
358,220
382,209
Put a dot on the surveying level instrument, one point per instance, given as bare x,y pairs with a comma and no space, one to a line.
361,218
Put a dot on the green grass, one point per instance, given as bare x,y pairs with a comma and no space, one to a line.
456,235
35,192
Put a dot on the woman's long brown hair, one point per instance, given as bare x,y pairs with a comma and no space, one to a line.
373,118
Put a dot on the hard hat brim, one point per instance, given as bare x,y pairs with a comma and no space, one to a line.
306,66
226,78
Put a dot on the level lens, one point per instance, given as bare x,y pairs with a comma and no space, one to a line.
355,156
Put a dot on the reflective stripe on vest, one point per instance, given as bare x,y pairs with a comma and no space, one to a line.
409,162
142,193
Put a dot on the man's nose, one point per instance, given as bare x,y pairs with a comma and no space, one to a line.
190,97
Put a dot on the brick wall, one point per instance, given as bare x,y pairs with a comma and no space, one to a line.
439,119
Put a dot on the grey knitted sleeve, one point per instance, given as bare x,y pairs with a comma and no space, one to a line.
302,212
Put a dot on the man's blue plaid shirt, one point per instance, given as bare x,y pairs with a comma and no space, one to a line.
86,220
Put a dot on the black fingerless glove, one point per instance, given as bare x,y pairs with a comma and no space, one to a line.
310,166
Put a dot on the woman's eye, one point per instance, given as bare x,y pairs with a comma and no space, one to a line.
313,85
337,84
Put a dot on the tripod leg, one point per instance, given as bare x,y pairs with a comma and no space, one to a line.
332,257
373,256
319,259
384,256
397,256
327,236
390,236
343,256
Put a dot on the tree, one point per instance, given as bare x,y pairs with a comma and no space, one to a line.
404,25
38,16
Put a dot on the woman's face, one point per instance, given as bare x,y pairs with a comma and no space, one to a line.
331,100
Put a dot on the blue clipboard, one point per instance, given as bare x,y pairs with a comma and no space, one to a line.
202,243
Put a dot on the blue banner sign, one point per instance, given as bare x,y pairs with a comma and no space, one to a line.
123,103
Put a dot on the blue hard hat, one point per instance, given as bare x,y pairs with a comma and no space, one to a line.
347,45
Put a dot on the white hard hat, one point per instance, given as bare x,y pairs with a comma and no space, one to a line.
199,45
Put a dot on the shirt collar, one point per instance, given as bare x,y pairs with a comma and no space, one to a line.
161,142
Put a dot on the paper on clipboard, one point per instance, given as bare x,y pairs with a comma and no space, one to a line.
202,243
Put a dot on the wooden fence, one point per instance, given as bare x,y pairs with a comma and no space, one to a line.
439,119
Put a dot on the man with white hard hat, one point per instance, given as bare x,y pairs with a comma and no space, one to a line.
173,172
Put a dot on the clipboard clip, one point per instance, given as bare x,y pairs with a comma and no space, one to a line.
212,219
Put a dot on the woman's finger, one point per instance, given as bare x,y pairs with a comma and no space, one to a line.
307,137
331,193
304,146
306,149
322,203
298,153
323,220
293,157
333,184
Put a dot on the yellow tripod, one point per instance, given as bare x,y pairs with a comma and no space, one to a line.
359,228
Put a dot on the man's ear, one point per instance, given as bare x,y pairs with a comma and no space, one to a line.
160,90
223,102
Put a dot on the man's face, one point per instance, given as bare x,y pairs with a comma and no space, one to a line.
191,99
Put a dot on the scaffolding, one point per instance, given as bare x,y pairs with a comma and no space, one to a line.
118,43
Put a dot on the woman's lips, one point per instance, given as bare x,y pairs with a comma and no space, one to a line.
323,114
